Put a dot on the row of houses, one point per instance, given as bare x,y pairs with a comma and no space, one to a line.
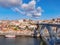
23,24
17,24
57,20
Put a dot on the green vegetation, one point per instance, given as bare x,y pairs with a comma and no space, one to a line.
16,28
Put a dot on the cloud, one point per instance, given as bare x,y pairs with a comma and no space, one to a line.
31,9
18,11
10,3
28,9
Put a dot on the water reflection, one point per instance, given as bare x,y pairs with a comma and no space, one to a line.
19,41
37,41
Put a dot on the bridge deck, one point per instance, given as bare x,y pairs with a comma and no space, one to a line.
55,24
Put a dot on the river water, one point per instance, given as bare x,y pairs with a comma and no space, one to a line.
19,41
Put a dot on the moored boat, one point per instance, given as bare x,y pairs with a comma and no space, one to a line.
10,36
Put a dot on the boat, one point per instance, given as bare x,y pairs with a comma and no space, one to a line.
10,36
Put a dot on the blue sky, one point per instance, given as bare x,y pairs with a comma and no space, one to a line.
51,10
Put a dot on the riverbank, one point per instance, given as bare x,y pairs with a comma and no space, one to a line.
19,33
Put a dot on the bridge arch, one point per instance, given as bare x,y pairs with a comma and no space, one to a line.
52,36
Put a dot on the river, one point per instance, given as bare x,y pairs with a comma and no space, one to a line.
19,41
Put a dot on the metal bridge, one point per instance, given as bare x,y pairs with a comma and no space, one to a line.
53,37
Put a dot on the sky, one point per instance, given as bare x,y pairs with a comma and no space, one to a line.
29,9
